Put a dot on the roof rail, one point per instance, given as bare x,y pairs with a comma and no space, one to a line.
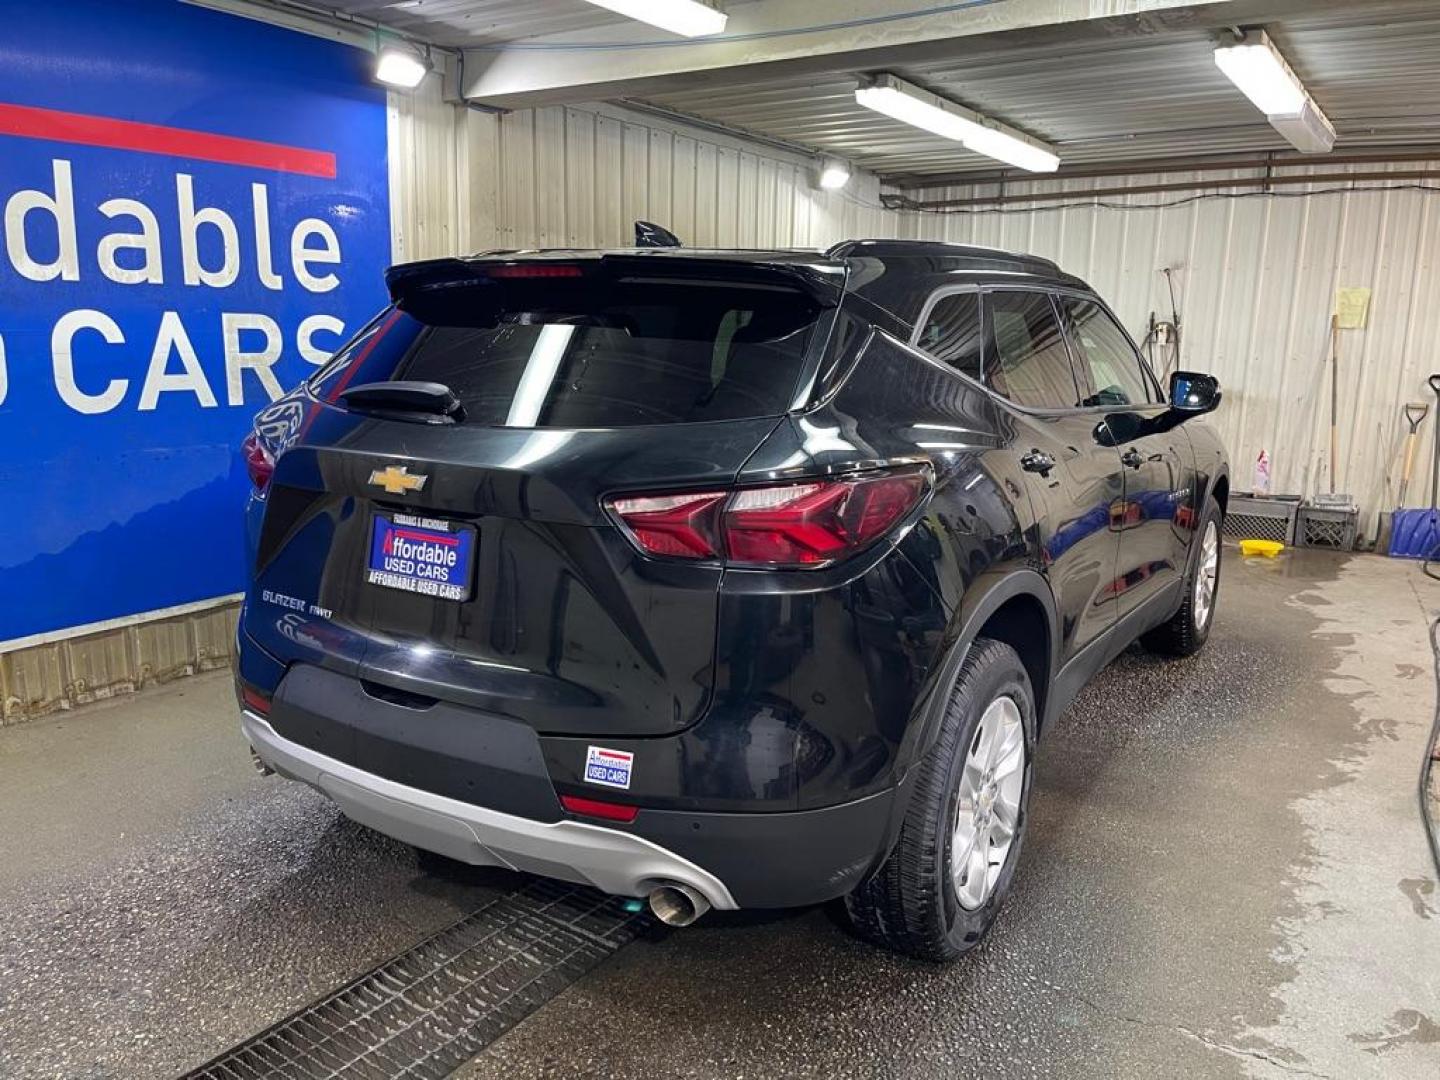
895,249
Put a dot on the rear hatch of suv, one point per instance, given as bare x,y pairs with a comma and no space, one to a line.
436,521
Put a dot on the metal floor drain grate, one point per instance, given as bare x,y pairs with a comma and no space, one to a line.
435,1006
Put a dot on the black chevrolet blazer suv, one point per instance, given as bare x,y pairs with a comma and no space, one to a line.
723,578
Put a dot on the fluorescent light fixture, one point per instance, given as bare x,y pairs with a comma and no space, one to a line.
886,97
400,68
1309,130
834,174
688,18
1256,67
919,108
1021,153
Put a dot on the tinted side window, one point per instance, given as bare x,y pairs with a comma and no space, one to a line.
1104,353
1032,366
952,332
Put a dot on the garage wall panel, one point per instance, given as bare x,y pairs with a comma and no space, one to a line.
1257,277
465,180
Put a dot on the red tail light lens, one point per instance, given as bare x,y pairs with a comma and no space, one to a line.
678,525
609,811
813,524
255,701
536,270
259,462
788,525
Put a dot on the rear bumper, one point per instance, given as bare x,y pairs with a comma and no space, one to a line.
608,859
765,860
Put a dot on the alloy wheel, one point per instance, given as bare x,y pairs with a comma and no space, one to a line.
1207,576
987,807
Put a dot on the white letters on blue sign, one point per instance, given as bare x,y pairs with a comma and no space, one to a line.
312,242
158,377
238,358
62,358
60,207
183,237
146,241
131,253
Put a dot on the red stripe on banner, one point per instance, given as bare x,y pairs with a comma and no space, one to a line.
28,122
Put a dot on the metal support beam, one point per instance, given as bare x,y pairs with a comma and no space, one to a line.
1263,181
1266,159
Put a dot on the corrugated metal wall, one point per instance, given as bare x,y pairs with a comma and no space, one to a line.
462,180
1257,277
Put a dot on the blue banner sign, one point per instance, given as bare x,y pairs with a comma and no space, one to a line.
195,214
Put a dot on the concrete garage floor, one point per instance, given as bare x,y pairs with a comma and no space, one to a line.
1225,876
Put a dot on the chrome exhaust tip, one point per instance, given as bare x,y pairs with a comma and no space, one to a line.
677,905
260,766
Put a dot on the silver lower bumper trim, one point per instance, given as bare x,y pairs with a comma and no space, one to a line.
610,860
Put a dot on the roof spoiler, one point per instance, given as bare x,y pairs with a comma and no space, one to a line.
406,277
824,284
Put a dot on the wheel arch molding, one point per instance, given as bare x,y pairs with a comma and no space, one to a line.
1015,609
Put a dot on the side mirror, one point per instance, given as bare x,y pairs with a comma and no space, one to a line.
1193,393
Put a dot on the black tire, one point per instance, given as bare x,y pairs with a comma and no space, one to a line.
1186,633
910,905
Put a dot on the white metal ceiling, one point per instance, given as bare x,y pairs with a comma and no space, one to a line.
1374,69
463,23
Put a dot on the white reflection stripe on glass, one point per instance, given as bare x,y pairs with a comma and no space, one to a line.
540,371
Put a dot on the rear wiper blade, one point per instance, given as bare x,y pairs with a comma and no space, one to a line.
427,402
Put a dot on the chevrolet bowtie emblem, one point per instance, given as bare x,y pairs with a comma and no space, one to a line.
396,479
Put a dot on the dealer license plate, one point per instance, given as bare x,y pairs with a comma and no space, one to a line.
422,555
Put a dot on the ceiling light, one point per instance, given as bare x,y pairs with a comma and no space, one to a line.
1309,130
919,108
834,174
400,68
911,110
1256,67
1021,153
689,18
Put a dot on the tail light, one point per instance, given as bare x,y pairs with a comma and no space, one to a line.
801,525
608,811
259,462
254,700
535,270
680,525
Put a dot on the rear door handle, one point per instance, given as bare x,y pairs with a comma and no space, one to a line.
1131,459
1037,461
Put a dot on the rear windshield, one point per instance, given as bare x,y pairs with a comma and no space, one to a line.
588,353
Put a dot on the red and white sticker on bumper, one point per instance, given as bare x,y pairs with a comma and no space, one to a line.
610,768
